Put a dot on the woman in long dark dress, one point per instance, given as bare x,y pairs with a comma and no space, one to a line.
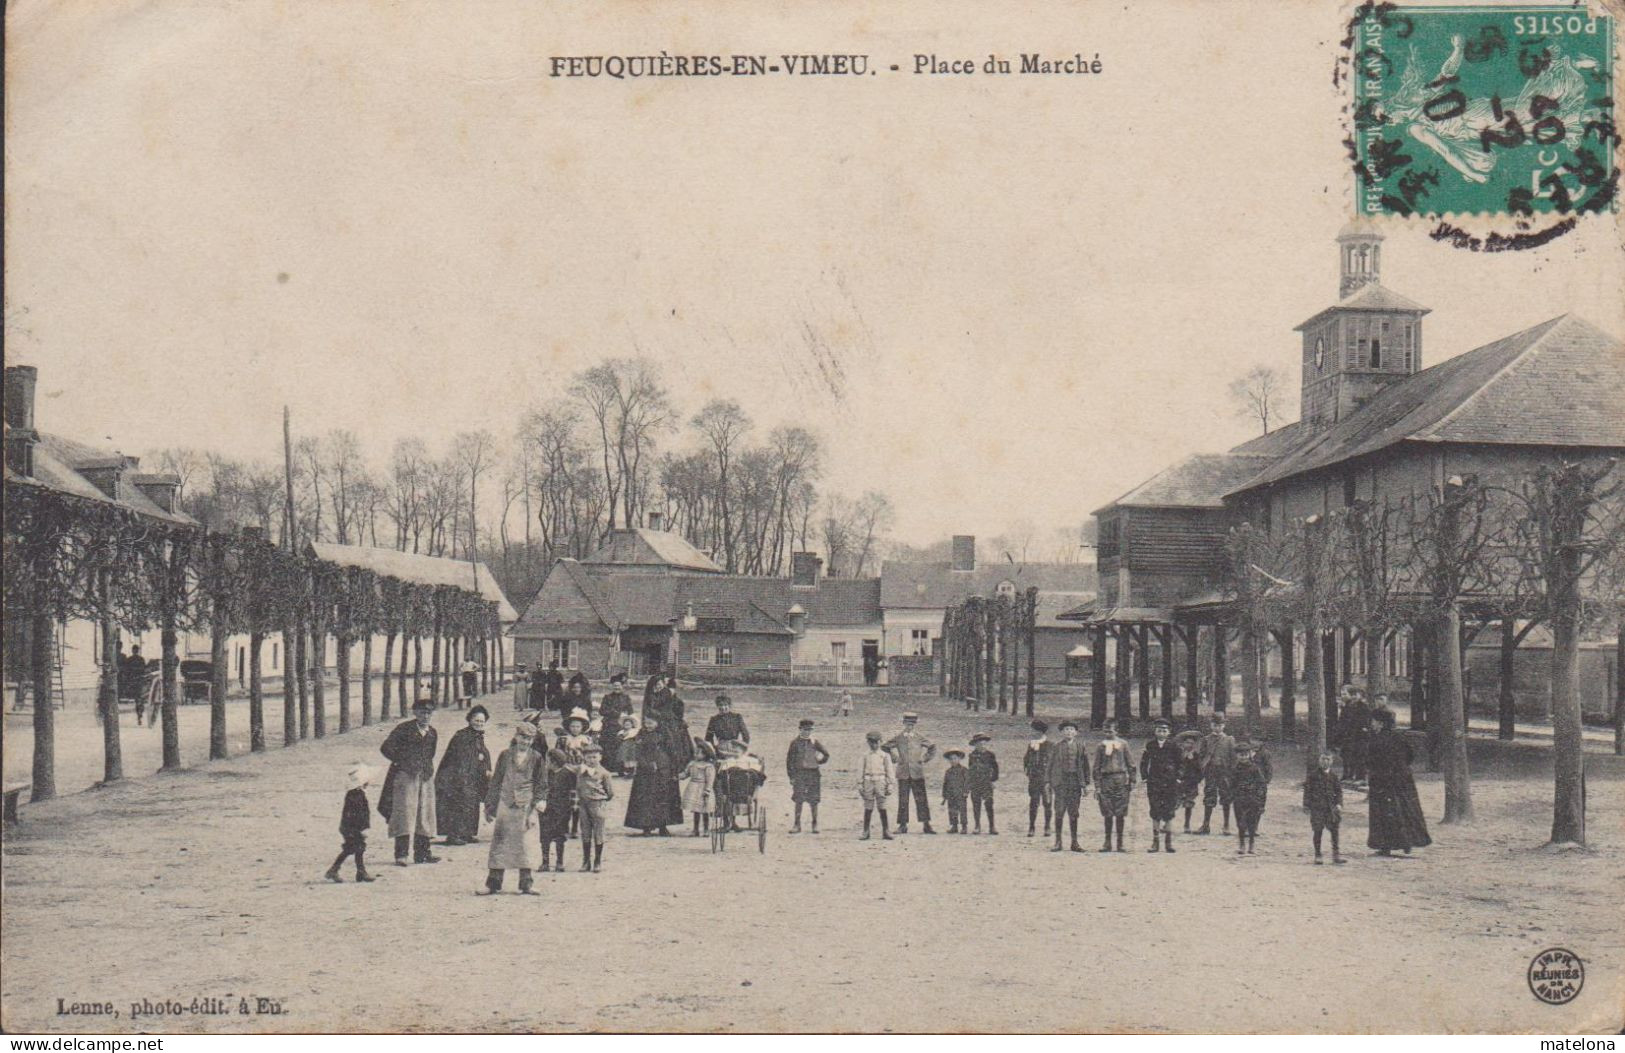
578,694
461,782
654,803
1396,811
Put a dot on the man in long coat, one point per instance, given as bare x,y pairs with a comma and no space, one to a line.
409,786
912,752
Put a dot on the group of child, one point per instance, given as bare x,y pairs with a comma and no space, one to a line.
567,788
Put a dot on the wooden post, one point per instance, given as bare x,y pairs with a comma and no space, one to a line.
1125,707
1193,686
1142,668
1221,668
112,749
1506,702
1097,680
1165,636
1619,688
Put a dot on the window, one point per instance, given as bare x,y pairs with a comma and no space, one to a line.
702,654
921,640
276,655
1108,543
1376,350
837,650
725,656
565,652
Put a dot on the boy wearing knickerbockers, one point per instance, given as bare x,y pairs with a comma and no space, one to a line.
801,763
1035,765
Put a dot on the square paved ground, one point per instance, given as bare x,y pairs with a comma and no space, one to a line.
208,883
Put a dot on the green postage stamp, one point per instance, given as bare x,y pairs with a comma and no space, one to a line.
1504,110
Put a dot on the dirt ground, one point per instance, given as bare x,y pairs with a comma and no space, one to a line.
208,884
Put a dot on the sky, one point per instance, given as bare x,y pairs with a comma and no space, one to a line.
995,298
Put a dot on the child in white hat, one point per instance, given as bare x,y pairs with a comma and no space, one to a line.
353,822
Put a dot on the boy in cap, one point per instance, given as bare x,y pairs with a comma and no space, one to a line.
409,785
984,772
877,781
1068,780
912,752
357,816
805,755
1114,780
955,788
1250,781
1190,772
594,791
1323,796
1218,754
1035,764
1159,768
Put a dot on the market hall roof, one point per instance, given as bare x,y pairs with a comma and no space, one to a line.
1199,481
643,546
1560,383
419,569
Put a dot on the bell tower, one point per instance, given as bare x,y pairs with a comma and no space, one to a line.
1359,248
1370,338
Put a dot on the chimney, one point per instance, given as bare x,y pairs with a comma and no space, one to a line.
19,417
964,552
798,619
655,521
161,489
804,569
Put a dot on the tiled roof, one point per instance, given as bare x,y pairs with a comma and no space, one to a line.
1560,383
1199,481
652,548
1368,297
1051,605
57,464
1278,443
931,585
418,569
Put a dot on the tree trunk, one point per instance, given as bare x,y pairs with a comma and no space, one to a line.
341,659
1376,673
318,676
170,666
1314,681
417,674
40,646
301,676
256,694
1000,639
112,746
366,679
389,668
945,657
1568,801
1221,668
1507,702
1619,688
220,681
989,642
1289,688
1452,711
290,679
501,659
1251,707
1097,681
434,657
1032,651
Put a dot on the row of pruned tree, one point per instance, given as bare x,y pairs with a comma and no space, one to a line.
73,557
1544,548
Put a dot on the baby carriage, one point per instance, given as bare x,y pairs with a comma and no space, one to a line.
735,798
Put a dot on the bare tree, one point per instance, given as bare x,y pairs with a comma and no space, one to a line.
472,452
723,424
1258,394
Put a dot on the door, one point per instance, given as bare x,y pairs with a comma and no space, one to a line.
871,661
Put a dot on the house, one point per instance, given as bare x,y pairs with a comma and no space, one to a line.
1531,675
648,600
1374,425
35,458
915,595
